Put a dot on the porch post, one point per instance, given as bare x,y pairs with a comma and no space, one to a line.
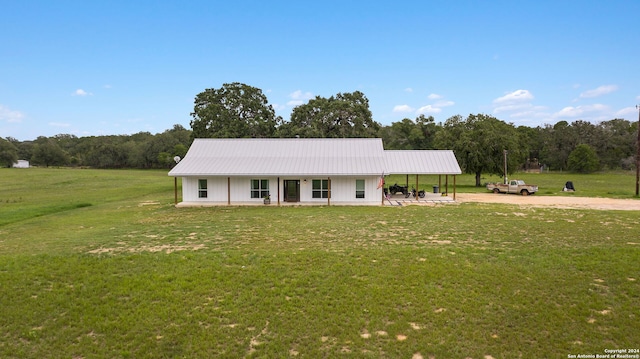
278,191
454,187
228,191
329,191
175,189
446,184
417,190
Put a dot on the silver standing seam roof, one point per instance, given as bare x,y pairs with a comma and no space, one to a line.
307,156
421,162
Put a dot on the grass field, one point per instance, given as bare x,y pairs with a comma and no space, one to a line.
603,184
99,264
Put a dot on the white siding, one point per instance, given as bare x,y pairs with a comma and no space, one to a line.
343,190
216,189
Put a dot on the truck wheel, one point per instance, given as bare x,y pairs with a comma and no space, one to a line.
524,192
496,190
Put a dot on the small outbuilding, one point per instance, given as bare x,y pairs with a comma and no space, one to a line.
21,164
320,171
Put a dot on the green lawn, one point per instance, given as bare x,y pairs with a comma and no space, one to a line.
99,264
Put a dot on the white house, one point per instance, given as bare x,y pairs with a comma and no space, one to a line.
21,164
298,171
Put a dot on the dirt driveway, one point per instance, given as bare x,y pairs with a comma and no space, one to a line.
552,201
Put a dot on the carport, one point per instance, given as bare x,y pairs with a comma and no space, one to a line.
424,162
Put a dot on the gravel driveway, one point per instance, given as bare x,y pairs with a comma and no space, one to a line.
552,201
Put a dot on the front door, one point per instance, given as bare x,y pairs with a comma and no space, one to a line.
292,190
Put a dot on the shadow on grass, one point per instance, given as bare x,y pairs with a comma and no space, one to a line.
23,214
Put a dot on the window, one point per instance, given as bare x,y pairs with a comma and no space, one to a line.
360,188
320,188
259,188
202,188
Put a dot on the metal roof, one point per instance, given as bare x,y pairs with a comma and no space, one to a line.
308,156
293,156
420,162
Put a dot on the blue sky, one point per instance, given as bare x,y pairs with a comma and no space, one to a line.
120,67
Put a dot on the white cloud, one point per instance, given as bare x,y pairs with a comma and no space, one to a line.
81,92
627,111
515,96
299,95
428,109
9,115
512,107
444,104
602,90
569,111
524,114
58,124
408,89
581,111
298,98
435,107
530,111
402,108
107,86
518,105
278,107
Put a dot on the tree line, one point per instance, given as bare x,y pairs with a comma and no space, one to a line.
141,150
238,110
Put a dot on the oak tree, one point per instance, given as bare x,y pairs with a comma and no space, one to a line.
8,153
479,142
235,110
340,116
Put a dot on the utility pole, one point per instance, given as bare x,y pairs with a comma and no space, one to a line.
638,156
504,152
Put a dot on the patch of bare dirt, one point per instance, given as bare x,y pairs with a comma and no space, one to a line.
552,201
167,248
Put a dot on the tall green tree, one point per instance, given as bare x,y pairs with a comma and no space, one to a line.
479,142
583,159
410,135
109,152
559,140
48,152
235,110
68,143
165,146
24,148
142,155
532,143
618,148
340,116
397,135
8,153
